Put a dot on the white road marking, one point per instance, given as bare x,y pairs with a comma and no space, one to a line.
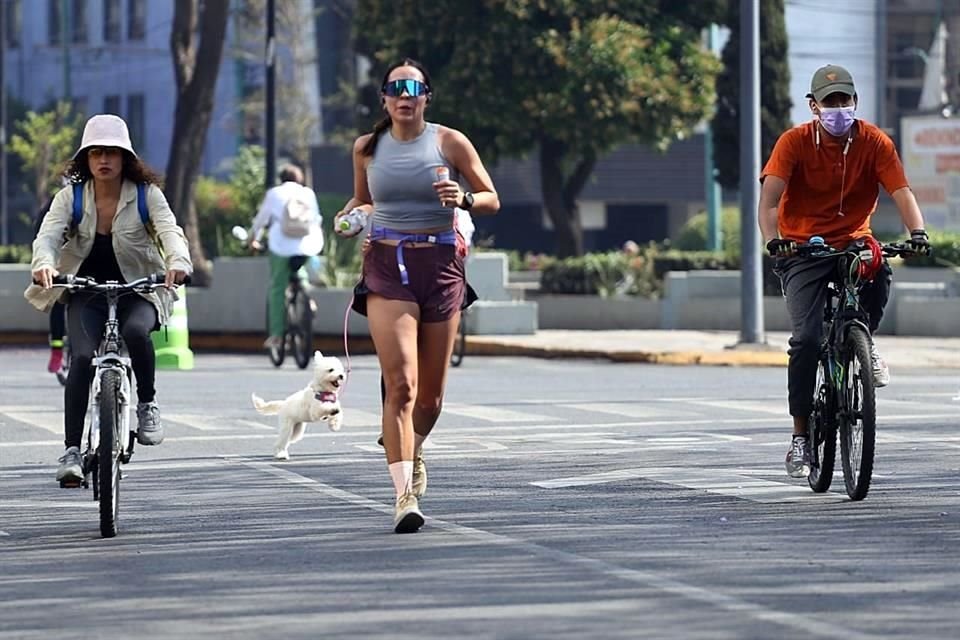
360,418
492,414
51,421
651,579
196,421
718,481
752,406
48,504
627,409
257,425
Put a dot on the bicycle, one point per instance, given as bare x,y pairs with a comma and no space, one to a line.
844,394
108,434
297,320
299,308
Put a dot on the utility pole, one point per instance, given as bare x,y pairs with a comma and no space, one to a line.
751,286
65,46
712,192
271,116
4,219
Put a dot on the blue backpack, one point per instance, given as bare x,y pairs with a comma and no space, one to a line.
141,205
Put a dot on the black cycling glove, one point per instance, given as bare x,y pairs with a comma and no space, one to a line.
781,248
919,242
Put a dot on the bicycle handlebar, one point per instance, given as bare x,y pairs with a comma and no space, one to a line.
147,283
821,250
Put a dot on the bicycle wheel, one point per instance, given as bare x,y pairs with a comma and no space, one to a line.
108,453
300,327
823,433
858,414
460,344
276,353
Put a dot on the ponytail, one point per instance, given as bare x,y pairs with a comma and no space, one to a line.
378,129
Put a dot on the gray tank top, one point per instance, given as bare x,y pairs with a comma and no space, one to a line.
400,178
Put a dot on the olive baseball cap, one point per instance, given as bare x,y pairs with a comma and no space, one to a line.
831,79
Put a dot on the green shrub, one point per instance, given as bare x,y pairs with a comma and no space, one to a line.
342,258
217,213
693,235
16,254
946,251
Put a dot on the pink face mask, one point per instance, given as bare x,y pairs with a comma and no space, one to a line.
837,120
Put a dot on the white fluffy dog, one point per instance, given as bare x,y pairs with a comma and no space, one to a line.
317,401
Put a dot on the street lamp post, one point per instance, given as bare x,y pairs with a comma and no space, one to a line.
270,94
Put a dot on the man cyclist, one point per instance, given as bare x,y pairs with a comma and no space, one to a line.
822,179
292,213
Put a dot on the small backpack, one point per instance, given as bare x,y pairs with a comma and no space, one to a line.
298,217
141,207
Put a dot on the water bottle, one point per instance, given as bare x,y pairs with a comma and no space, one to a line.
443,173
353,222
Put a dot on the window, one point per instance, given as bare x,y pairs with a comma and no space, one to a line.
136,121
111,21
136,19
13,23
111,104
53,21
76,20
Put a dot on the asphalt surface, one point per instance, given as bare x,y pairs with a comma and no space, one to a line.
566,499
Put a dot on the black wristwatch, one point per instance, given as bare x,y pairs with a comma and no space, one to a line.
467,202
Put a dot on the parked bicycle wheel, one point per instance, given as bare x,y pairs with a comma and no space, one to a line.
823,432
276,352
460,344
300,327
108,453
858,415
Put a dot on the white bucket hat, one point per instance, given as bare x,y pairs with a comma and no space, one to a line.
105,130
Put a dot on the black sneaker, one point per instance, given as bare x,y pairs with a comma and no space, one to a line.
798,457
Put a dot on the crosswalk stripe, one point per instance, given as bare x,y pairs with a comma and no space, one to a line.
492,414
360,418
716,481
195,421
752,406
51,421
626,409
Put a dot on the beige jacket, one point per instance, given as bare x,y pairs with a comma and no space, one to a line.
136,252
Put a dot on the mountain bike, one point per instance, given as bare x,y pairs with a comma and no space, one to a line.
844,395
297,320
299,308
109,435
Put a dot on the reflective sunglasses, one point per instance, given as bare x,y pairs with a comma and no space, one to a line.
412,88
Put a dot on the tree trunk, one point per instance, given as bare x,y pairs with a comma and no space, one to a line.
196,66
560,194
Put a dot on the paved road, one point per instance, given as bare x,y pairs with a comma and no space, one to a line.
566,500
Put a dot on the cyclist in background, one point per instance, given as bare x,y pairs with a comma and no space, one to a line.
822,179
291,212
110,242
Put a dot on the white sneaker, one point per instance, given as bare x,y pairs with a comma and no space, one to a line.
881,372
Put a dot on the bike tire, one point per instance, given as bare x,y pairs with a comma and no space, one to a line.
301,328
276,353
108,454
859,414
823,433
460,343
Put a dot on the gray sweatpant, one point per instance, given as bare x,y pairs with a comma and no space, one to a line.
805,289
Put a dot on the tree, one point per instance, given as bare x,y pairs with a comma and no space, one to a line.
43,142
775,102
570,79
196,42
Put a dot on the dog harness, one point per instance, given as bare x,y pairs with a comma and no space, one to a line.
325,396
402,237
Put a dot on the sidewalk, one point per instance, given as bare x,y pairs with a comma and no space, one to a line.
699,347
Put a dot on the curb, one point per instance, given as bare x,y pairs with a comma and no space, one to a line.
728,358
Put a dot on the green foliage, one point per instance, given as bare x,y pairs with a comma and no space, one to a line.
693,235
946,251
16,254
248,180
775,100
43,142
217,213
342,258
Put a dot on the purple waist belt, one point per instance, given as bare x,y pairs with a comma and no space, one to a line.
402,237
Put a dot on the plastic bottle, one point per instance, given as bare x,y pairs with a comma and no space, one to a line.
443,173
353,222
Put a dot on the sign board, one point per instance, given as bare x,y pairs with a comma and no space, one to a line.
930,147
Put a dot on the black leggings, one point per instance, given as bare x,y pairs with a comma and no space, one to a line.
87,315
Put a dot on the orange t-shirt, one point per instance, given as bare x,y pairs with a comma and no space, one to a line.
810,205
